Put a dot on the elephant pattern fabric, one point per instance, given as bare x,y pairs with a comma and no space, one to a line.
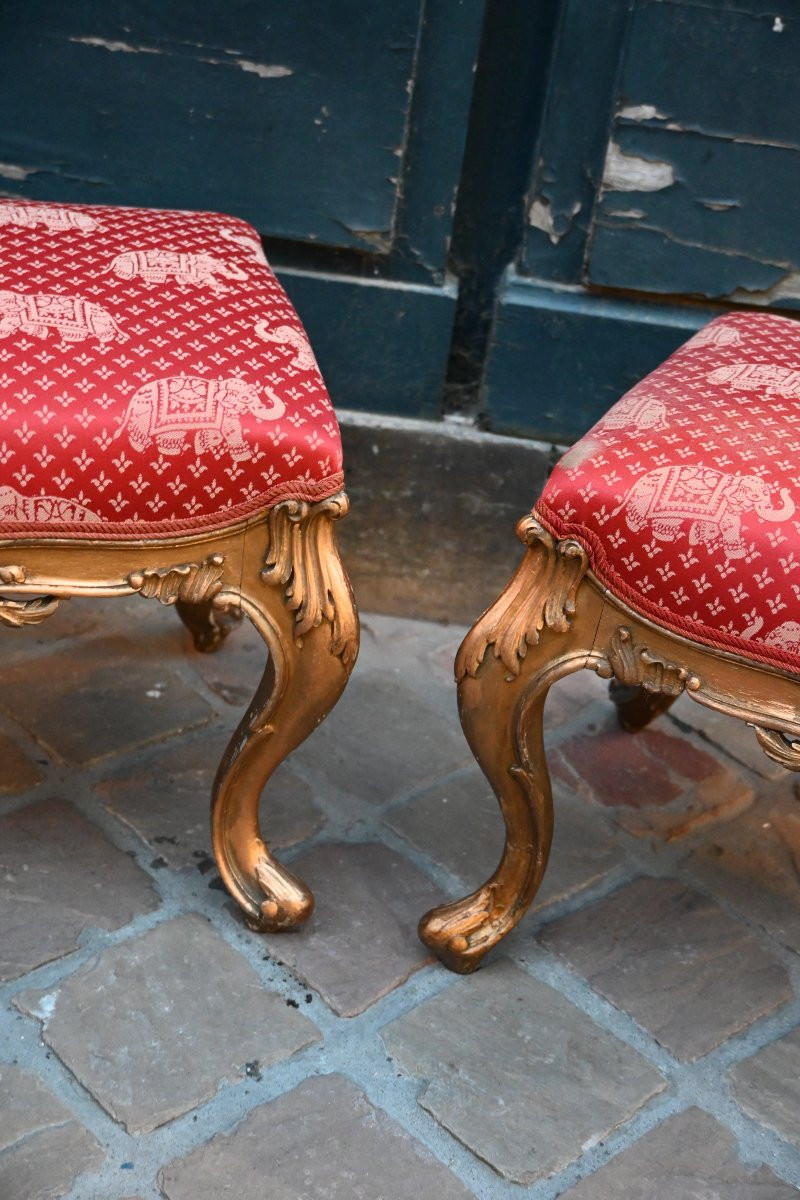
686,494
154,377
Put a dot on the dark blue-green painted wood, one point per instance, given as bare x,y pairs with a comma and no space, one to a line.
242,106
617,153
381,347
559,360
667,163
336,128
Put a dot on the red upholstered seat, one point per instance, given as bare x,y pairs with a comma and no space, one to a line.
154,378
687,493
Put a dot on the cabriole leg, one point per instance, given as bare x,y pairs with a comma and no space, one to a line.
506,666
301,604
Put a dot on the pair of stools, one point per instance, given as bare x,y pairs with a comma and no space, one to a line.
164,429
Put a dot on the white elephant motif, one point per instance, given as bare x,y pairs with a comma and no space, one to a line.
713,501
285,335
251,244
156,266
43,510
636,412
714,335
768,378
73,318
785,637
28,216
167,410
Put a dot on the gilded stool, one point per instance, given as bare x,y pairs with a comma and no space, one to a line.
164,429
664,554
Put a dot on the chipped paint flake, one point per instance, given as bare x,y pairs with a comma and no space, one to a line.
12,171
778,25
719,205
263,70
631,173
540,216
115,47
787,288
642,112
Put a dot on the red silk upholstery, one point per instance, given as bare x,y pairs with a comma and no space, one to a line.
154,378
687,493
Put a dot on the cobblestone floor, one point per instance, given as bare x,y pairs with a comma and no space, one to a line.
638,1035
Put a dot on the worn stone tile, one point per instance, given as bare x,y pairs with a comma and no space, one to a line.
654,783
58,877
517,1073
362,939
164,796
767,1086
383,738
323,1141
459,825
688,1155
233,672
674,961
72,619
568,700
153,1027
729,734
753,864
43,1147
17,772
97,697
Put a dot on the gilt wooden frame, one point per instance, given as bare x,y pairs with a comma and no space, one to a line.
280,569
555,617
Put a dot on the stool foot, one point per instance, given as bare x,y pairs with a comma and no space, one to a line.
636,706
209,626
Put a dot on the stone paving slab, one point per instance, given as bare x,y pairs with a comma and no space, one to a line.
382,738
689,1155
519,1081
164,795
458,823
101,698
43,1147
767,1086
726,733
323,1141
674,961
654,783
753,864
517,1073
152,1027
361,941
18,772
59,876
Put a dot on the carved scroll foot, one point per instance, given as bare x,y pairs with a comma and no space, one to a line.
312,640
208,625
636,706
506,666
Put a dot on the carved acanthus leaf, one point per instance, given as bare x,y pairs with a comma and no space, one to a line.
541,594
302,558
27,612
23,612
779,747
634,664
191,583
